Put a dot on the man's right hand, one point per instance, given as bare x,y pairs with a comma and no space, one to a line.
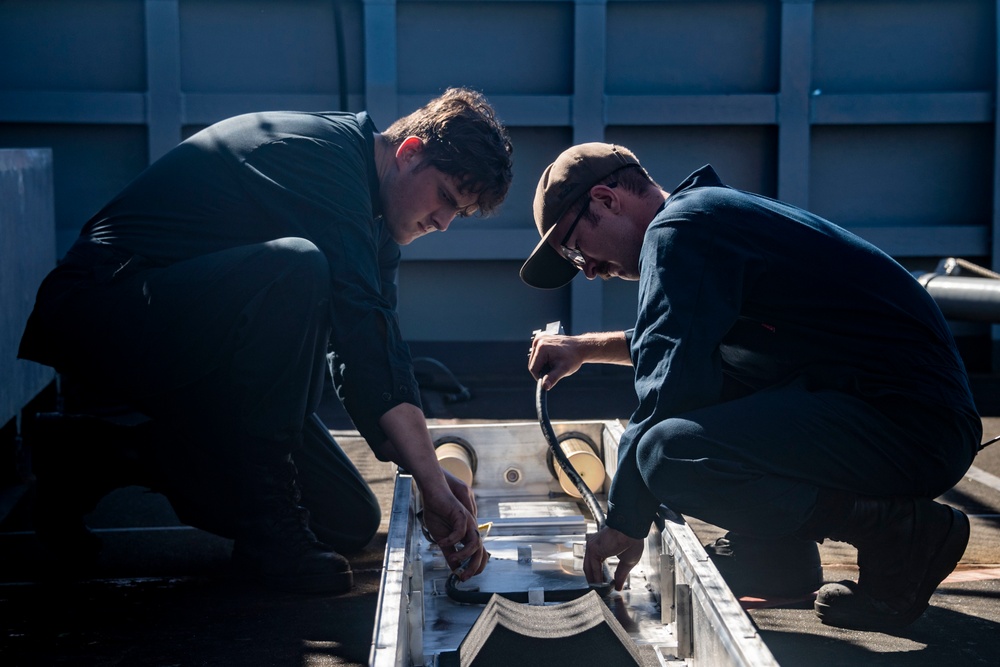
555,357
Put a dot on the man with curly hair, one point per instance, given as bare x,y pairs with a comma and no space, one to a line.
214,294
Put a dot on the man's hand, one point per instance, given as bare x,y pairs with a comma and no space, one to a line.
454,529
461,491
555,357
609,542
449,506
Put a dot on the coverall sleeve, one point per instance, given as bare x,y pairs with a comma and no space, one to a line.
690,291
320,190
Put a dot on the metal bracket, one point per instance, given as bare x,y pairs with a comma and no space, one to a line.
683,621
668,582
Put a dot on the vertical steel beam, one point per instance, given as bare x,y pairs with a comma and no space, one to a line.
381,75
589,75
589,65
164,107
27,253
995,221
794,100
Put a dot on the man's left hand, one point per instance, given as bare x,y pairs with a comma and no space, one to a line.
609,542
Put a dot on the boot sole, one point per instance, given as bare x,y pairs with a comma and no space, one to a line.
941,565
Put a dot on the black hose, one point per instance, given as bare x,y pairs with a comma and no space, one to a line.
541,407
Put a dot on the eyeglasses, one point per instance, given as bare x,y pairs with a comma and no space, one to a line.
573,255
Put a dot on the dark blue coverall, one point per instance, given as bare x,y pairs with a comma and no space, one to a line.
777,356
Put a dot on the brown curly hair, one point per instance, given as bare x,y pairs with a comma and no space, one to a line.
462,138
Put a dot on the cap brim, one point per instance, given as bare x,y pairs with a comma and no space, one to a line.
547,269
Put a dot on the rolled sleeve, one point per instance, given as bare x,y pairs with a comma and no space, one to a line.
377,371
378,382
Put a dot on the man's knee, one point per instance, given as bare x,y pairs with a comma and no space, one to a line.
352,530
367,526
291,283
672,440
300,258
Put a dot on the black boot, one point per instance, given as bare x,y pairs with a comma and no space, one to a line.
274,544
906,548
77,460
767,568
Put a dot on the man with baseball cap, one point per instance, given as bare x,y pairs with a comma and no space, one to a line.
795,383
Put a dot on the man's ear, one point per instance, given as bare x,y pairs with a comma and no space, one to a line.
606,197
409,150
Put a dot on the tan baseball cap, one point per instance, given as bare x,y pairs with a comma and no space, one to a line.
570,177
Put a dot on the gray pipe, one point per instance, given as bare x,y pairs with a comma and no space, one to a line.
962,297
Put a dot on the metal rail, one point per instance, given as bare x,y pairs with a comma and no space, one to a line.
676,603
